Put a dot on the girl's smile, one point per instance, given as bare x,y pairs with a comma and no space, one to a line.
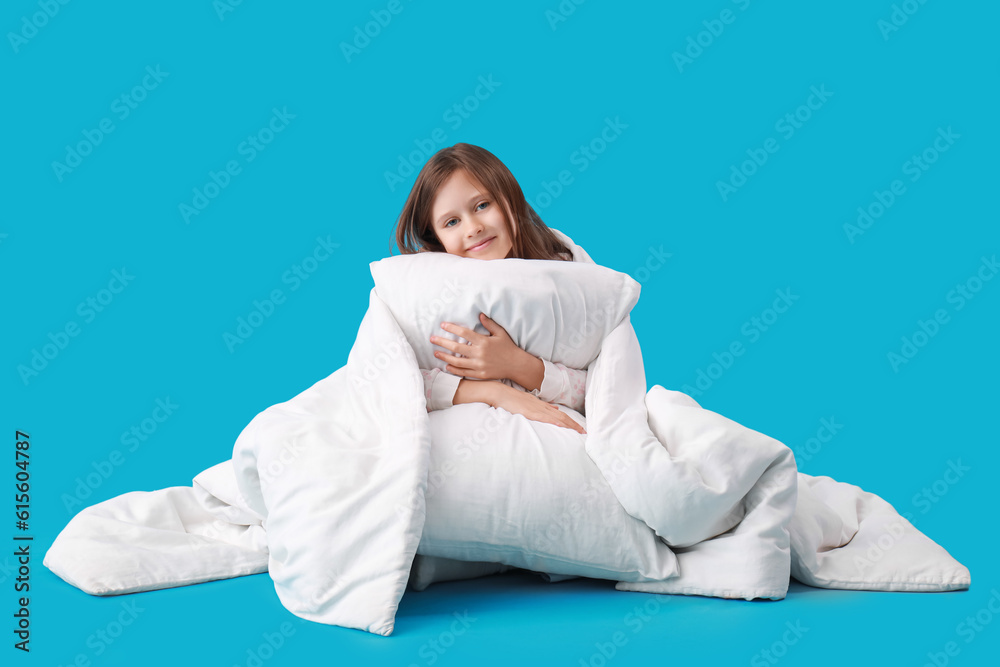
481,246
468,221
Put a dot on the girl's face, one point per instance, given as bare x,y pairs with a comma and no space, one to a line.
467,222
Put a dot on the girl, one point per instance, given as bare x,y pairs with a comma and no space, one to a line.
466,202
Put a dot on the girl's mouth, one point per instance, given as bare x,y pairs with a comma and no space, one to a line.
482,245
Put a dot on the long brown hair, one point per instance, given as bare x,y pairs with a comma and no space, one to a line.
414,233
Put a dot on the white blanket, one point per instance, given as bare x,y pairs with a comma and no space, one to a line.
325,492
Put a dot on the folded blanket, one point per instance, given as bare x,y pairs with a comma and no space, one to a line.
327,491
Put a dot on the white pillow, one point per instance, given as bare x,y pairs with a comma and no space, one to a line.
505,489
555,310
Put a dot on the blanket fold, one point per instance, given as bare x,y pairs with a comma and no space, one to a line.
326,492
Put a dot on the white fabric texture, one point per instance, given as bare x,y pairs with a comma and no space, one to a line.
329,490
555,310
526,494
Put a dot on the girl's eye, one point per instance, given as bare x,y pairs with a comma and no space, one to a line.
482,203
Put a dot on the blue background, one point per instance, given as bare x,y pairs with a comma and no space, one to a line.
654,187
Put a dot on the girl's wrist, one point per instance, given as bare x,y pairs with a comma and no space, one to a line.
477,391
530,372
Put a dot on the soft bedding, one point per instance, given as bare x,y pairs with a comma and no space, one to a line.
345,491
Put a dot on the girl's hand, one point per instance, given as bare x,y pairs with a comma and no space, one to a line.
520,402
493,357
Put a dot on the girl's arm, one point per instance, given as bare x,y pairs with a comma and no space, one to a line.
559,384
527,370
437,389
518,401
443,390
497,356
563,385
496,394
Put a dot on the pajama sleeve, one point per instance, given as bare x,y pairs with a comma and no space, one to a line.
439,388
562,385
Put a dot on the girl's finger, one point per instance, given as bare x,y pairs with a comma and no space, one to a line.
445,343
450,358
568,422
467,334
562,419
555,422
455,370
571,423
